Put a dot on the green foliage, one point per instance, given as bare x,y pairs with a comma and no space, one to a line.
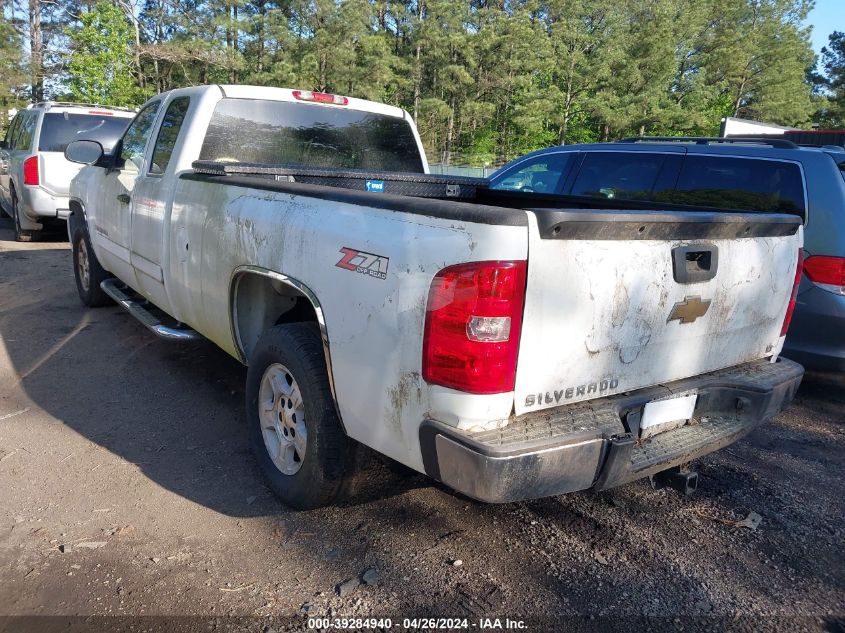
831,112
486,81
11,70
101,59
765,59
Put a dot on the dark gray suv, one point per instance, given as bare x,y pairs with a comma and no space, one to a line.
728,174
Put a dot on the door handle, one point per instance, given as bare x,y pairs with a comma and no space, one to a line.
695,263
124,198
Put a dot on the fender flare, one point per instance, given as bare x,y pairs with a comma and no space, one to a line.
74,219
239,273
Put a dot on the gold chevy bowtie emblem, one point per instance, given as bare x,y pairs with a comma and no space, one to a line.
689,309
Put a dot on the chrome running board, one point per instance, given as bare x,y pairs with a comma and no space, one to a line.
118,291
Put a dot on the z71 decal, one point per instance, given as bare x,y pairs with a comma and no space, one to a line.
364,263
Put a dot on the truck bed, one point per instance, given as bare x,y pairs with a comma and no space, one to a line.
471,200
607,284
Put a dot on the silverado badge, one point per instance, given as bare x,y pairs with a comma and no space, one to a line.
689,309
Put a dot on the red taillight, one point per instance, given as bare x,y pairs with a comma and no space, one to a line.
101,112
795,283
472,326
320,97
30,171
828,272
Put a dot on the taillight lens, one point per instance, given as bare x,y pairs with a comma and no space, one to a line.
795,283
827,272
30,171
472,326
320,97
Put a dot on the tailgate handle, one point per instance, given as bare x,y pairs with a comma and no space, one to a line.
695,263
124,198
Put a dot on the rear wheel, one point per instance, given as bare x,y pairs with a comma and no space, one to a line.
88,271
22,235
294,429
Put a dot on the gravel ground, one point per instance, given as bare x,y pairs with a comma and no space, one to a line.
127,489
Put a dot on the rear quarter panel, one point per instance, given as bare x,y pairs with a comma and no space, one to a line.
375,326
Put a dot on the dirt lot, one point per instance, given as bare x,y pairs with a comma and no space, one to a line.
127,488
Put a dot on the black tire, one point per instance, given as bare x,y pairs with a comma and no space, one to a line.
20,234
88,285
328,451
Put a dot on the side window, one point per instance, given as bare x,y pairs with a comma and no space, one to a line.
26,129
541,174
168,133
135,139
620,175
740,184
12,131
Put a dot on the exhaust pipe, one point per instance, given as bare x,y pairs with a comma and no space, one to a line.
681,479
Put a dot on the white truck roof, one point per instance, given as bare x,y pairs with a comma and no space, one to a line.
286,94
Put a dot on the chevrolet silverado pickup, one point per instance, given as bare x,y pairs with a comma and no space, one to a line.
509,344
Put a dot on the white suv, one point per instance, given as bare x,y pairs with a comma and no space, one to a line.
34,175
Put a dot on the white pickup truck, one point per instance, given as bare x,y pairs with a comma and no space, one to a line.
510,345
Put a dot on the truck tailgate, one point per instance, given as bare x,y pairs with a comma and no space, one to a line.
617,301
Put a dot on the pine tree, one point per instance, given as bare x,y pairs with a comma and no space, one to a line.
101,60
761,59
486,80
832,112
12,77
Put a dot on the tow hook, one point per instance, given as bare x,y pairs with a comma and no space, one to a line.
680,478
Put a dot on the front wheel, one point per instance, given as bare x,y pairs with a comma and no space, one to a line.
294,428
88,271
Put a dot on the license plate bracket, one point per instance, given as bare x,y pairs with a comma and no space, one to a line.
666,414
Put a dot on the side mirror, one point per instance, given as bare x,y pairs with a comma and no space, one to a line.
84,152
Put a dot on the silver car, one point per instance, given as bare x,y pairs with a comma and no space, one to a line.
34,175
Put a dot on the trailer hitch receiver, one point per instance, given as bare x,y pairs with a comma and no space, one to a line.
680,478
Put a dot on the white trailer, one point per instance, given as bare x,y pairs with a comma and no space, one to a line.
732,126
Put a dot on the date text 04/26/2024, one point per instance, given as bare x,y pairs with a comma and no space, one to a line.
410,624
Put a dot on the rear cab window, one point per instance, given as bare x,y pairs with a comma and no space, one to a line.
740,184
540,174
283,132
60,128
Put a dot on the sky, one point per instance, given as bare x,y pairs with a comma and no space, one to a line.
828,16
